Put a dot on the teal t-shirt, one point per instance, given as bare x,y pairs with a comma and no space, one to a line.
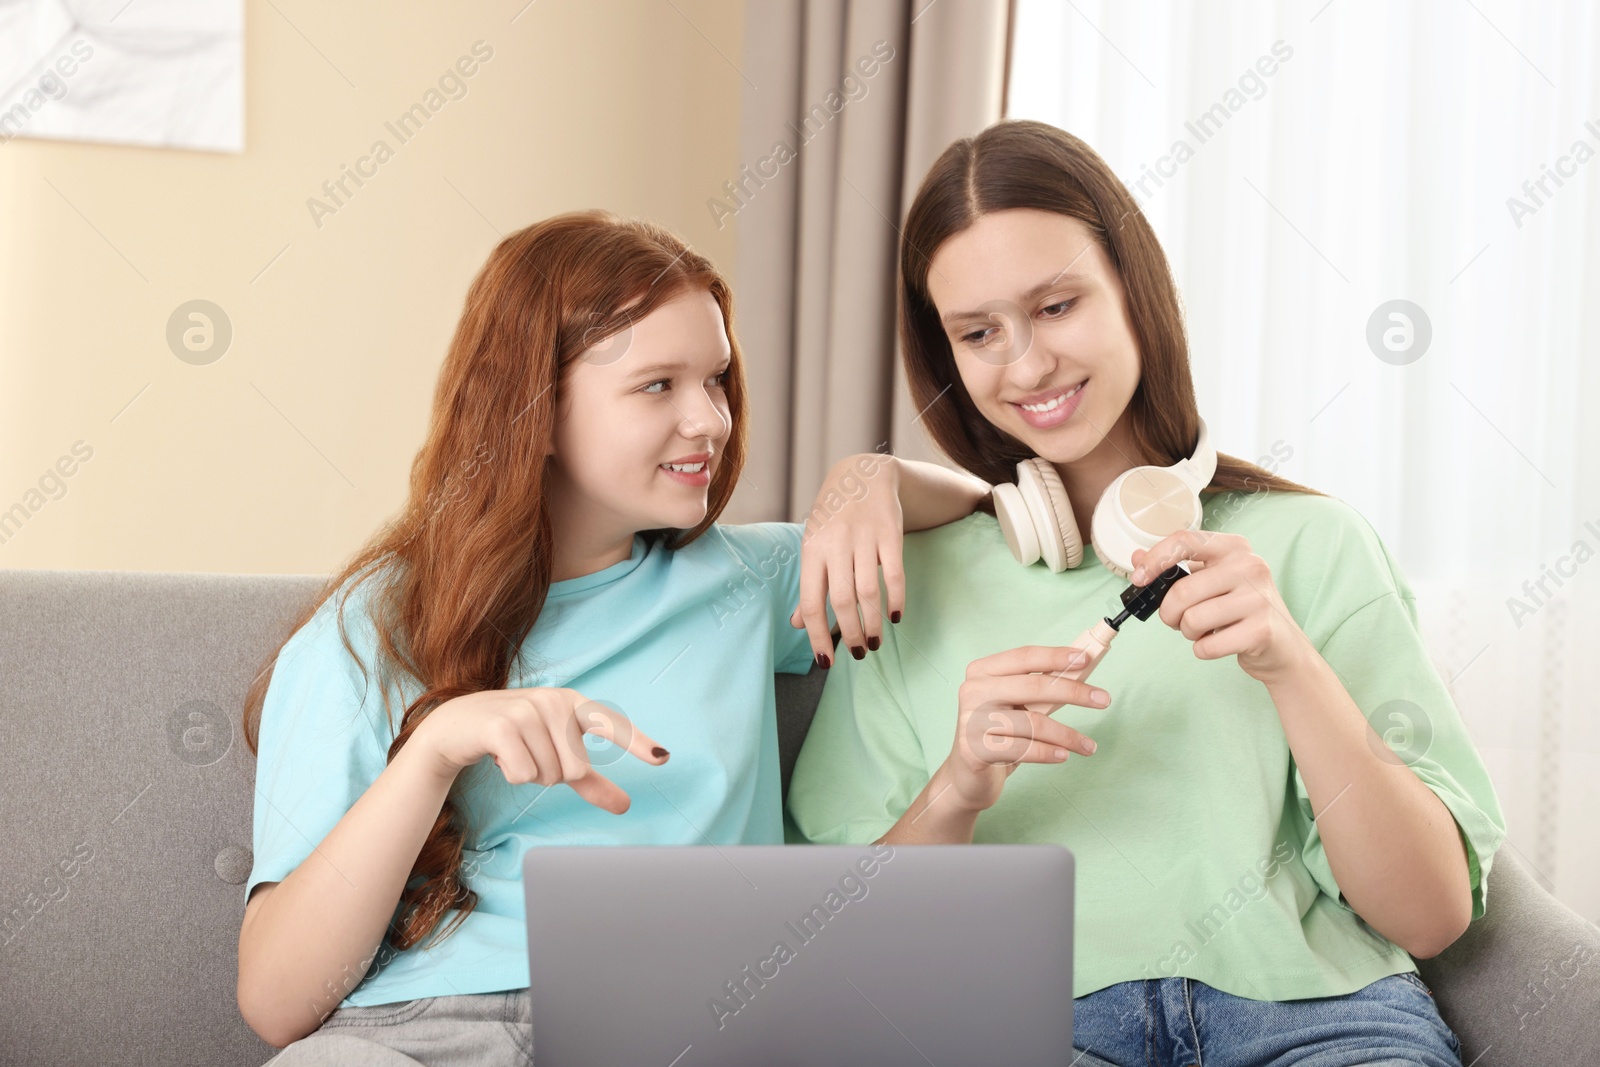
1196,852
685,643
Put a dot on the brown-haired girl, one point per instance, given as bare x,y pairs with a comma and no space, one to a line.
1256,867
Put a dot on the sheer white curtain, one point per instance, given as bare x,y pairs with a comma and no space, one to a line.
1305,164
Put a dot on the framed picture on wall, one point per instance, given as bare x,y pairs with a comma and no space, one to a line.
164,73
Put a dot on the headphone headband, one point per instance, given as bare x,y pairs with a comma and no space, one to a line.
1198,470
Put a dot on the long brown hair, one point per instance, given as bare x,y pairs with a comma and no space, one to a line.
1026,164
471,553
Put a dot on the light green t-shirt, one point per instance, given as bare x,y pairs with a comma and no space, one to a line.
1196,852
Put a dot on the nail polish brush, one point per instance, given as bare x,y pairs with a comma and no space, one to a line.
1138,602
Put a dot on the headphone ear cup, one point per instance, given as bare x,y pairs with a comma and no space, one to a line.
1016,524
1059,541
1126,576
1139,508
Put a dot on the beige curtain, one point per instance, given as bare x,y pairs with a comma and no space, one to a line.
846,105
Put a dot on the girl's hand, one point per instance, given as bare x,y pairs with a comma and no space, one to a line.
1004,719
853,529
534,735
1229,605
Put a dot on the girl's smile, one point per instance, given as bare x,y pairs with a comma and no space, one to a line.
693,470
1050,408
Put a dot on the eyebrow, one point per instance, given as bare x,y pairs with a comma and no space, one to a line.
1063,278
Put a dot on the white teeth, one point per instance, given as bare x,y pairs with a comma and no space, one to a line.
686,468
1055,403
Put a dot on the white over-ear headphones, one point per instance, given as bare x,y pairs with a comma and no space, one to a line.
1139,508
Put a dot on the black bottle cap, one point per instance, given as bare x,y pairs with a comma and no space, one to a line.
1141,602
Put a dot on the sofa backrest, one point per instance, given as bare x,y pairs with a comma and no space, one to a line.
125,834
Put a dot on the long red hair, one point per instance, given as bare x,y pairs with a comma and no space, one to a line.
468,560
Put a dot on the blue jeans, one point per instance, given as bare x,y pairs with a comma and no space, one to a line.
1176,1022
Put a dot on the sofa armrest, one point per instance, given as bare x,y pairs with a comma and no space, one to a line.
1521,987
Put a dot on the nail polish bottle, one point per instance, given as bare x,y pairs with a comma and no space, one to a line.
1139,602
1093,642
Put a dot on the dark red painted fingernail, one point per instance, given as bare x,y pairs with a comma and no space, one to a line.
858,652
894,616
873,643
658,752
823,661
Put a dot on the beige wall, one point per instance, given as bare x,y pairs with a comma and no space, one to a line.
286,453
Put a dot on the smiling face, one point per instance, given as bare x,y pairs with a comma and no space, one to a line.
1036,319
642,424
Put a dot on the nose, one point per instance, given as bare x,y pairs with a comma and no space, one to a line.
1031,368
703,416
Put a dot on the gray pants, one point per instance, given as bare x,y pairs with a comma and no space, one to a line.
468,1030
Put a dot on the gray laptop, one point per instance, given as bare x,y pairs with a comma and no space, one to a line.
805,955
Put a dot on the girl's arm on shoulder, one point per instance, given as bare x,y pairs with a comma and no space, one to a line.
867,502
932,495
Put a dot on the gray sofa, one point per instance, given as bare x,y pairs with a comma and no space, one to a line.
125,833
